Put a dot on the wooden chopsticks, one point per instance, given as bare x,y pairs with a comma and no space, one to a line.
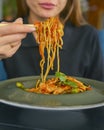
4,24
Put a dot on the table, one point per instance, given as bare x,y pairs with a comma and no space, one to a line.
15,118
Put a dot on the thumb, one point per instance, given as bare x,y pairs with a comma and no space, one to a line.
18,20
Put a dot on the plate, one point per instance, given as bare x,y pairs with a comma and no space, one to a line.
11,95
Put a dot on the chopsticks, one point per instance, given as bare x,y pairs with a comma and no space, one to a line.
5,24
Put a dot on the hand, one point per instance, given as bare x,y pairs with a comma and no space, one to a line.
11,36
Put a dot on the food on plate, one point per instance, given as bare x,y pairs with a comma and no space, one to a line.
49,37
59,84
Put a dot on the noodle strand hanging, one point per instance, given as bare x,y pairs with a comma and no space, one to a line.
49,37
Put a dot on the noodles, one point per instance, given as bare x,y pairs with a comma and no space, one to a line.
56,86
60,84
49,37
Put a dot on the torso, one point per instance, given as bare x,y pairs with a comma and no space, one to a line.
76,56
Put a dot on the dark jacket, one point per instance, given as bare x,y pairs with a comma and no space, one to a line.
80,56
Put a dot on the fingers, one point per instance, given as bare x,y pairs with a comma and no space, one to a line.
11,49
14,44
11,38
16,27
19,21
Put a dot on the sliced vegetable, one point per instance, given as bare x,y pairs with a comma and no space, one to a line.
20,85
63,78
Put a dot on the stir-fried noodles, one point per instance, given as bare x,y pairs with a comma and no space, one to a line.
49,37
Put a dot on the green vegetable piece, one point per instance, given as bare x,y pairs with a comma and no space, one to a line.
61,76
20,85
70,83
75,90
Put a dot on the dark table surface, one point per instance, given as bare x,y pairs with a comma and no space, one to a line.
15,118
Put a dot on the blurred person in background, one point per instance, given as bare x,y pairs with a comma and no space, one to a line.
81,53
